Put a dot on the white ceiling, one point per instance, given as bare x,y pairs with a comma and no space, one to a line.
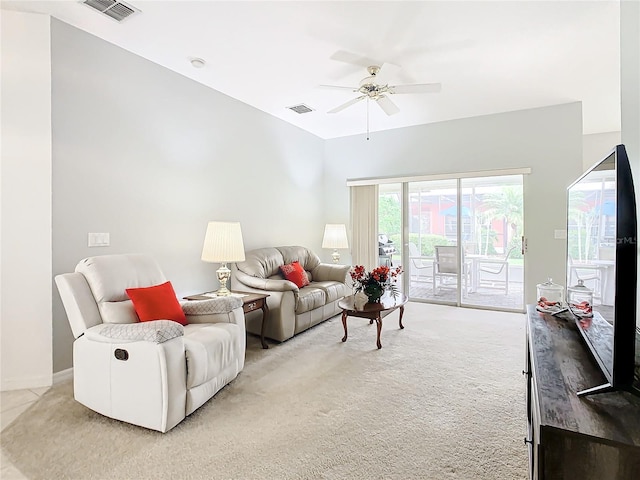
490,57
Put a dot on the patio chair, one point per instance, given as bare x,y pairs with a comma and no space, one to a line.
421,266
446,269
494,267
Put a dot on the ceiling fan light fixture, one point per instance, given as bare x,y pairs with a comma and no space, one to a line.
368,81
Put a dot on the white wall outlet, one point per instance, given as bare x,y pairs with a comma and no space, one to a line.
560,234
98,239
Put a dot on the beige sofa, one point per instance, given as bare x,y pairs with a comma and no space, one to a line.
291,309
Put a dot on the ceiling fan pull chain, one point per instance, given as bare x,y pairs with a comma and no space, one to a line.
367,118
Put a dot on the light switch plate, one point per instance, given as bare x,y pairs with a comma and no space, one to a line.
98,239
560,234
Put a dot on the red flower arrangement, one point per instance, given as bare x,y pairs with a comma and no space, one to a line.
375,282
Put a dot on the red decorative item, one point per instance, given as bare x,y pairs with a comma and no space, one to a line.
295,273
158,302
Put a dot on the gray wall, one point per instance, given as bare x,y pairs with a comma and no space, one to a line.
549,140
596,146
630,95
150,157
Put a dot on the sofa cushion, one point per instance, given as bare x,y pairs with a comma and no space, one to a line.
158,302
295,273
302,255
262,262
333,290
118,312
310,298
109,276
209,349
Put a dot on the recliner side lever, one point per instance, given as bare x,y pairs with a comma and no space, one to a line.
121,354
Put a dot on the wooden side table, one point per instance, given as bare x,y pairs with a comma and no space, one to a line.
250,302
372,311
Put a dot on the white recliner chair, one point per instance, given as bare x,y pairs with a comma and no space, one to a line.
154,373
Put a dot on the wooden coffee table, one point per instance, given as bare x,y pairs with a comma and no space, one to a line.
372,311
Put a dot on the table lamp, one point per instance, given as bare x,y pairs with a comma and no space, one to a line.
335,236
222,244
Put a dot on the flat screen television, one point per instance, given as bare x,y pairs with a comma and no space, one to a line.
602,252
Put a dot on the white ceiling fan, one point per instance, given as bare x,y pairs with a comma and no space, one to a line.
376,85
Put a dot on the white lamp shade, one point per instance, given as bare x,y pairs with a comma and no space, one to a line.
335,236
223,243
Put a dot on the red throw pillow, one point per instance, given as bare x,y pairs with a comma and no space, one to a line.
157,303
295,273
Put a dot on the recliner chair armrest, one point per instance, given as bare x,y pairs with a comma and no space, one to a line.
234,316
213,305
266,283
214,310
155,331
331,272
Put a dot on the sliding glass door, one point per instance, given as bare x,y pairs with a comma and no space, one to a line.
458,239
494,244
431,253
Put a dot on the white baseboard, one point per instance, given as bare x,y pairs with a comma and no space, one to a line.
62,376
25,383
36,382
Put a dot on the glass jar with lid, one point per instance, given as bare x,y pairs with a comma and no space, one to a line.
550,292
579,294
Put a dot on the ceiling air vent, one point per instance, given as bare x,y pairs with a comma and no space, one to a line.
111,8
302,108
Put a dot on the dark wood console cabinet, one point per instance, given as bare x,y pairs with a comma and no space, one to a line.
571,437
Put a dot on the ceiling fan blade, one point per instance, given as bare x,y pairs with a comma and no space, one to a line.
416,88
345,105
353,58
339,87
386,73
387,105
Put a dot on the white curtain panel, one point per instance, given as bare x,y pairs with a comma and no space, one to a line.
364,225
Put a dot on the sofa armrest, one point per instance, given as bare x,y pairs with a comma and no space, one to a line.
266,283
331,272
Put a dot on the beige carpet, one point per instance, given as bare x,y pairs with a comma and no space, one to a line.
442,399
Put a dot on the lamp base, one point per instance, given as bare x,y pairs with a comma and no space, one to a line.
223,274
336,256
